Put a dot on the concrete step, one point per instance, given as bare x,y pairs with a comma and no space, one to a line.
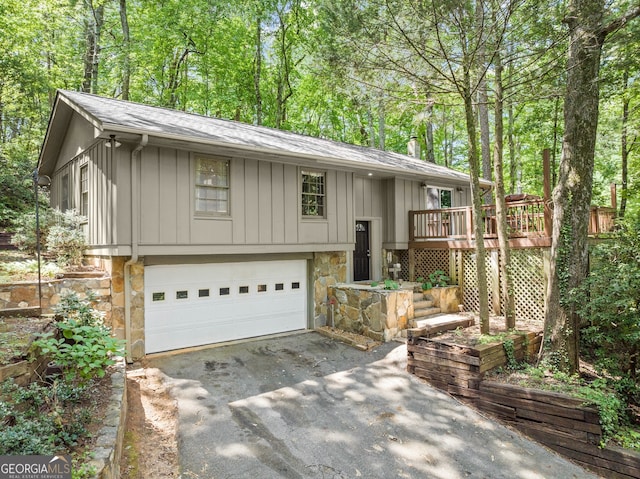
424,312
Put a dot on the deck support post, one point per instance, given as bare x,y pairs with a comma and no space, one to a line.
546,173
494,281
412,264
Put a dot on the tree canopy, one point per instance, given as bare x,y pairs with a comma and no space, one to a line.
369,72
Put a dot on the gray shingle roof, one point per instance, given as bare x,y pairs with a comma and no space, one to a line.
119,115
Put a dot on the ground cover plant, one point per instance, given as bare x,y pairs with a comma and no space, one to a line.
55,414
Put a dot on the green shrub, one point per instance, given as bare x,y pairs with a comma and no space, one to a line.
71,306
24,228
84,347
65,238
608,302
436,279
60,234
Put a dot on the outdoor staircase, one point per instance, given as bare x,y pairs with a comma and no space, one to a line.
428,320
423,306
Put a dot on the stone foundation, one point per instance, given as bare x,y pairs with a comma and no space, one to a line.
374,312
115,266
329,269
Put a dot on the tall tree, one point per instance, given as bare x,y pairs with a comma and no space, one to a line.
572,195
94,21
126,53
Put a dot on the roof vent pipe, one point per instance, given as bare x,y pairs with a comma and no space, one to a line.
413,147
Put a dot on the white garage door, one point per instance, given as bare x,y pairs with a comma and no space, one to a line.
196,304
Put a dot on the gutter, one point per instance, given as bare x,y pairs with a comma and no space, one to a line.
319,159
135,155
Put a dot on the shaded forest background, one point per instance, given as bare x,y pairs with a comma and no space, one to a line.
371,73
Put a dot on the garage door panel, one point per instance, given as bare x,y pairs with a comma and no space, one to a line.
191,305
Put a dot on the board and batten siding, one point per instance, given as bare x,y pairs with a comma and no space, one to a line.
101,227
264,202
402,196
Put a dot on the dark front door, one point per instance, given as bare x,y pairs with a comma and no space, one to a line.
362,253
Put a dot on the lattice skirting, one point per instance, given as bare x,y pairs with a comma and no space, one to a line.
527,266
430,260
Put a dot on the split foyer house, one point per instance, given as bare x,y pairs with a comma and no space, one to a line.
215,230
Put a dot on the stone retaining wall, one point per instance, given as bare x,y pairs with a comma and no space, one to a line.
25,294
374,312
107,453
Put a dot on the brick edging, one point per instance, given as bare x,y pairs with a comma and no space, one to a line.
110,438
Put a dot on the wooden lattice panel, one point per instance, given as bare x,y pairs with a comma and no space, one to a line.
527,267
430,260
470,296
403,257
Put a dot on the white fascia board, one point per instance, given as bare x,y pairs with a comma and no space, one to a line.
316,159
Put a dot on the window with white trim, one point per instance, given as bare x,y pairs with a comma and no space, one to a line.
84,190
212,186
64,193
438,198
313,194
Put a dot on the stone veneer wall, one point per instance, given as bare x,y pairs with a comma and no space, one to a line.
374,312
115,266
25,294
329,269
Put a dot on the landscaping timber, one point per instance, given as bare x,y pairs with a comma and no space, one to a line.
562,423
459,368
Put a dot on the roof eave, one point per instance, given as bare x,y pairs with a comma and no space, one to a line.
318,159
61,113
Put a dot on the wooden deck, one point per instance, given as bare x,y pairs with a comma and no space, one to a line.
529,224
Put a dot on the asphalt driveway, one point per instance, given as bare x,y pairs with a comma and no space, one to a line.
304,406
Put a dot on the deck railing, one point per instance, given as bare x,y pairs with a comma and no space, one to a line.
525,219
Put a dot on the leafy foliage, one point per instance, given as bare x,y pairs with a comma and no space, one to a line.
437,279
20,269
33,417
65,237
609,303
60,233
25,232
84,347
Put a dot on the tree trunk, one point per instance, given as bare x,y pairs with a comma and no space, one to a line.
126,47
99,22
258,70
554,149
474,172
430,153
513,161
501,208
93,30
285,91
483,101
90,41
372,130
572,194
624,140
381,124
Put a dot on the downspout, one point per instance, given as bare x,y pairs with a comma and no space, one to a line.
135,155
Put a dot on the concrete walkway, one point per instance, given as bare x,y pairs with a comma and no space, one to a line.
304,406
